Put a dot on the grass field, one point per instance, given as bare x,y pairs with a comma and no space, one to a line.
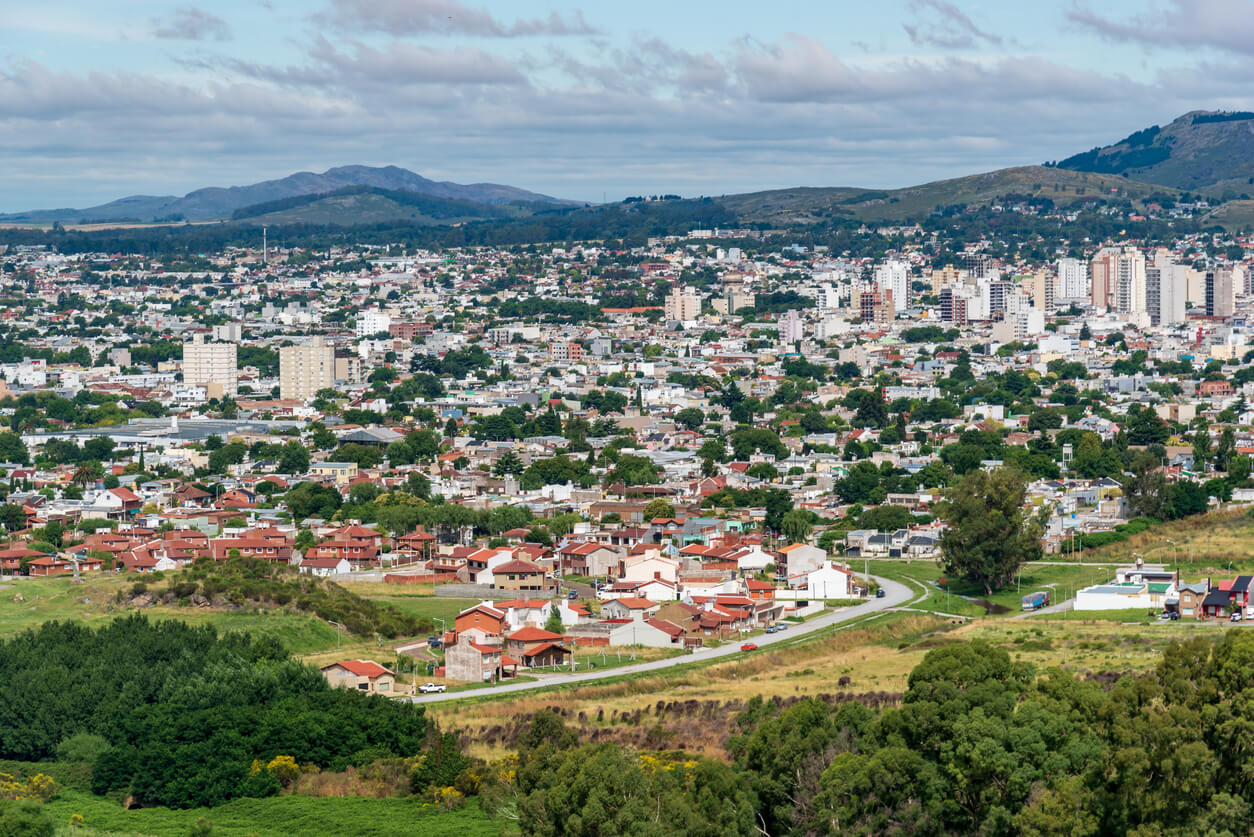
274,817
1199,545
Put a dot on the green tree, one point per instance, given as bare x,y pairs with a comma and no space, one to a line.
690,418
554,623
796,525
658,508
508,463
989,535
1201,447
294,459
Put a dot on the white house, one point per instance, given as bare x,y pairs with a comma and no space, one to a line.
829,582
323,567
640,632
650,567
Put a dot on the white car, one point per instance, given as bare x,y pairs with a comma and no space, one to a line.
431,689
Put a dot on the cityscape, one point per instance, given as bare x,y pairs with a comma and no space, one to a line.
360,499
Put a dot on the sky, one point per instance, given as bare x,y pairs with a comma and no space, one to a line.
105,98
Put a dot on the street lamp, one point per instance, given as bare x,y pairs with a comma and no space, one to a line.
338,629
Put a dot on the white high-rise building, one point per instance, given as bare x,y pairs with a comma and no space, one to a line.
1073,278
791,327
1129,282
372,321
305,369
212,366
894,275
1166,289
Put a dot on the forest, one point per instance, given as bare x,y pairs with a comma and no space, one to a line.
174,715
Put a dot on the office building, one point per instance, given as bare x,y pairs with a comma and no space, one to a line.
305,369
212,366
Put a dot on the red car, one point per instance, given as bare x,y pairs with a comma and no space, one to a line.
749,646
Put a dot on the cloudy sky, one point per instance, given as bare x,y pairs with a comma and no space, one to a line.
103,98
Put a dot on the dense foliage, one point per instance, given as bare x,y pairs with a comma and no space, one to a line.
184,711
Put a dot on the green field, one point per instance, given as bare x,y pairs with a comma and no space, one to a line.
274,817
28,603
427,607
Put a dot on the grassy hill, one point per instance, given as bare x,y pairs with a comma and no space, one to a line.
1062,186
1210,152
368,205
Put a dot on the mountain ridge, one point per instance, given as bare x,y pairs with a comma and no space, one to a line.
220,202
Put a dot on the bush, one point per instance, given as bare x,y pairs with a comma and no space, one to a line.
82,747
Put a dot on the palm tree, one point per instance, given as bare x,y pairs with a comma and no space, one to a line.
86,474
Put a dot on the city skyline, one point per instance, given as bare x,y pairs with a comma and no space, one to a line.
108,99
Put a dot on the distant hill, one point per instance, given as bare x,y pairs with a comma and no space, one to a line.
1063,187
370,205
216,203
1202,151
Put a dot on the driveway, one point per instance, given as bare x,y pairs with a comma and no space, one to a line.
895,594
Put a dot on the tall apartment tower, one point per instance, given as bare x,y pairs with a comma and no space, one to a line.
305,369
1102,278
1042,287
1166,289
1073,279
212,366
894,276
1129,281
1220,298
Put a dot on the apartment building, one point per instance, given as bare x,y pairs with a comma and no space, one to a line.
305,369
212,366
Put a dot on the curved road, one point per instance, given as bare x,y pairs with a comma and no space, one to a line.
895,595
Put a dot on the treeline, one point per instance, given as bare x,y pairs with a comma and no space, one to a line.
170,714
982,745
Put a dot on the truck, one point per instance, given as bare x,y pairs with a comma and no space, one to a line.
431,689
1036,601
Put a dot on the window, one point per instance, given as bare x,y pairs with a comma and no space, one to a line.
365,687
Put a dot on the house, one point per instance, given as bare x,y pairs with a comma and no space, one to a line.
323,567
798,558
629,608
475,662
536,647
1189,605
341,473
520,575
827,582
649,633
482,621
362,675
587,558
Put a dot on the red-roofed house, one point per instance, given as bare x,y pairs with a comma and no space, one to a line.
520,575
362,675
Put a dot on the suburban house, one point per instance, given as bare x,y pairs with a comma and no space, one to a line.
481,622
630,608
323,567
537,647
475,662
798,558
520,575
363,675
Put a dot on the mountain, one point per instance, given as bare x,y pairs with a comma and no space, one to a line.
803,206
216,203
371,205
1202,151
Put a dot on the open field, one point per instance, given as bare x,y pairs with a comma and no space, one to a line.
278,816
1203,544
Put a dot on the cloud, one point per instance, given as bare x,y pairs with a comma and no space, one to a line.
1220,24
189,23
943,24
445,17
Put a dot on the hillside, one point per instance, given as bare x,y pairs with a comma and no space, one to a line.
367,205
1063,187
216,203
1211,152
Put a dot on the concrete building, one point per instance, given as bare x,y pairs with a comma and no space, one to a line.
894,277
1042,287
1073,279
1220,293
372,322
682,305
305,369
212,366
791,327
1166,289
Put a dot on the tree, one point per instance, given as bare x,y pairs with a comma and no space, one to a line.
1225,450
508,463
690,418
989,535
872,411
796,525
658,508
886,518
294,459
13,450
1201,447
554,623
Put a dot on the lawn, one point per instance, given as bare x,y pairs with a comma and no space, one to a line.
278,816
425,607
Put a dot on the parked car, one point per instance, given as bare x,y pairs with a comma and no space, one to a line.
783,626
431,688
749,646
1236,616
879,594
572,595
773,629
435,642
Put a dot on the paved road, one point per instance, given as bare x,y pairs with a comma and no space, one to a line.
895,594
1058,608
